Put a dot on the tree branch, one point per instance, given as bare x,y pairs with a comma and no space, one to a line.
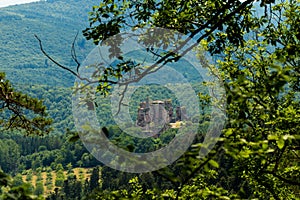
54,61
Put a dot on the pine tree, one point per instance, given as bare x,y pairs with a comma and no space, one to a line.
13,104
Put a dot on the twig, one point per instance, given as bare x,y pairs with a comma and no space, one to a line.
73,53
54,61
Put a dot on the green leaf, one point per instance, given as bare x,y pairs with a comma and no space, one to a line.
214,163
245,153
265,146
280,143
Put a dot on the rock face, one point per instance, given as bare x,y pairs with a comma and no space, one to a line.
159,113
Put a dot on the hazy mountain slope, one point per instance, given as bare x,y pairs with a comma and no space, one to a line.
56,23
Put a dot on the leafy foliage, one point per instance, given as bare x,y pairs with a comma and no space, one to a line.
258,61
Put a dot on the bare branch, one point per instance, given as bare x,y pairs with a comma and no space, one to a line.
122,98
73,53
68,69
54,61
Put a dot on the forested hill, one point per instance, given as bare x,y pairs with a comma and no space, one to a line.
56,22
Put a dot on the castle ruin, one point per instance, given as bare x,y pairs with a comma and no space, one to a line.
159,113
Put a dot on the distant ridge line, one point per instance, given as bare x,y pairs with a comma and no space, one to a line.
6,3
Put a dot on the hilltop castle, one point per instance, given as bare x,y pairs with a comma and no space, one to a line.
159,113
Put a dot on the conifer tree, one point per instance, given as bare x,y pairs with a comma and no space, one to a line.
21,111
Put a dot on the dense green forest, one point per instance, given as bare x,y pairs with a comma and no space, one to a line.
55,147
255,48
